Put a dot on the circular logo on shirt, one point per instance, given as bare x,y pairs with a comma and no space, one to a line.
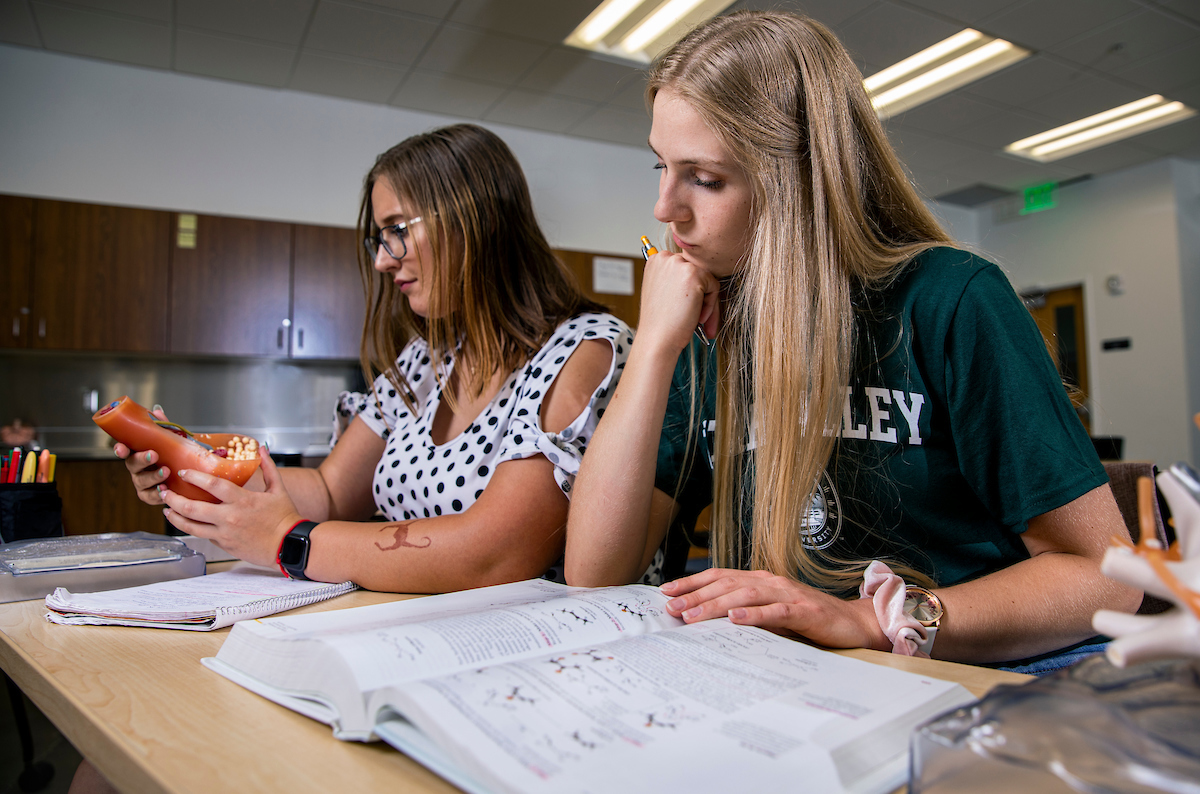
821,524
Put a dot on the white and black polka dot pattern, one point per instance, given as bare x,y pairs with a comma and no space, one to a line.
416,478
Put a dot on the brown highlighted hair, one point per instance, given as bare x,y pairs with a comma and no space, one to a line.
497,291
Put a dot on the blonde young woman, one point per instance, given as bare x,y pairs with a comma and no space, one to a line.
871,393
492,369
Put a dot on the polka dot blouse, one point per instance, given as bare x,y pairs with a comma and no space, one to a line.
417,478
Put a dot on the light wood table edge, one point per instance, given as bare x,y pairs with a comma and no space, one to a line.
107,750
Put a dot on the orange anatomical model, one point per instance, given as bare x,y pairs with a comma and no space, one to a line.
177,449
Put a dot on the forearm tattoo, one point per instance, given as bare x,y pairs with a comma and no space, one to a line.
400,538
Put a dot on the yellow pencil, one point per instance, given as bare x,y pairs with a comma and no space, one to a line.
50,467
30,468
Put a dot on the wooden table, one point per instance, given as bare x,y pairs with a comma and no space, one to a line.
138,704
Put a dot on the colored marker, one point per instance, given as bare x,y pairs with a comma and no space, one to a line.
29,470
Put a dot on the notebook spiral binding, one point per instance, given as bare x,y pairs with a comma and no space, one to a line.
284,603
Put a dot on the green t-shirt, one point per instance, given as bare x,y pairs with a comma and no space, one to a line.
954,435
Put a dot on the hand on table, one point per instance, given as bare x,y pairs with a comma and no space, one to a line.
778,604
247,524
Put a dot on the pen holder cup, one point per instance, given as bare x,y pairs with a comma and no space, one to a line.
30,510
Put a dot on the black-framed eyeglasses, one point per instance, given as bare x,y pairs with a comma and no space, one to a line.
391,238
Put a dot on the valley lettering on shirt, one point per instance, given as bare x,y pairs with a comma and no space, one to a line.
880,405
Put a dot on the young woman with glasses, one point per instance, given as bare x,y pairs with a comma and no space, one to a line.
492,371
877,409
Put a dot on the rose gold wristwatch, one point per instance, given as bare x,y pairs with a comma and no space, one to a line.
926,608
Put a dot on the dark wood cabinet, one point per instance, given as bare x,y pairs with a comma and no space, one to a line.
230,289
16,263
83,276
116,279
328,303
98,496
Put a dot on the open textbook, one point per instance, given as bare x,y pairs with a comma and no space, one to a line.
540,687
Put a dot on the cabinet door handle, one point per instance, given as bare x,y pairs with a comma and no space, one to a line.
42,328
300,338
16,326
279,338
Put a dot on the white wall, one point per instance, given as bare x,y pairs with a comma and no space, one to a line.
1124,224
86,130
1187,201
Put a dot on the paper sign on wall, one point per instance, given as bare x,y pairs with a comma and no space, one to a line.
187,231
611,276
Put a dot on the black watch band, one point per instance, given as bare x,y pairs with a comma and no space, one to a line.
293,550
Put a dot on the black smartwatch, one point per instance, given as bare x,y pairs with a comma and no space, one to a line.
293,551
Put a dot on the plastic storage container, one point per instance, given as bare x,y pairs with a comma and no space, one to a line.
90,563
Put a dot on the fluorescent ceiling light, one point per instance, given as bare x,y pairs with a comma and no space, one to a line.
1111,125
963,58
638,30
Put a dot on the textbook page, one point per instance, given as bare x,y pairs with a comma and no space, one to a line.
701,708
327,665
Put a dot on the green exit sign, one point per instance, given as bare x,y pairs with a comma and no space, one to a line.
1039,197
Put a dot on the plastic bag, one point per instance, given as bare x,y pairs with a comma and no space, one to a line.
1092,727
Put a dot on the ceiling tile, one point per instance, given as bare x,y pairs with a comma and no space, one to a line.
280,21
1002,129
1166,72
367,81
1024,81
935,183
570,72
158,10
887,34
443,93
1126,41
378,35
98,35
1171,138
548,21
434,9
921,150
616,125
830,13
233,59
16,24
1039,24
631,94
480,56
1009,172
946,114
1112,157
1188,9
1188,94
1087,96
523,108
969,12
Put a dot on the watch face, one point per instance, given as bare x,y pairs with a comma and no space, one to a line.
294,550
923,605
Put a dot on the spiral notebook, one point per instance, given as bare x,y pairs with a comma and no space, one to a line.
201,603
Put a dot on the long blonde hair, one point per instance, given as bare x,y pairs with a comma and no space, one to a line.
497,288
834,217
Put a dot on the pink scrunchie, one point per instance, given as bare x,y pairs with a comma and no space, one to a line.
886,590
